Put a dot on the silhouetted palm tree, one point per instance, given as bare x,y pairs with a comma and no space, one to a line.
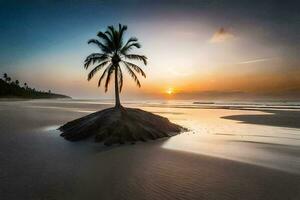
5,77
114,53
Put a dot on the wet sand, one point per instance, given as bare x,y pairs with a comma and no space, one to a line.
281,118
36,163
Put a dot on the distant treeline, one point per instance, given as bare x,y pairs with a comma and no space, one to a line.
13,89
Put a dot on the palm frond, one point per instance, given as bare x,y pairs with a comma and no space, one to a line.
121,32
110,35
97,68
94,55
129,43
103,47
114,36
136,44
135,67
111,29
130,40
132,74
93,58
108,42
103,75
136,57
122,29
109,72
130,46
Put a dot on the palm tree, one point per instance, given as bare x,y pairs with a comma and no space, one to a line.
114,53
5,77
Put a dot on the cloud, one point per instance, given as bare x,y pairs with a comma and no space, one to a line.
255,61
222,35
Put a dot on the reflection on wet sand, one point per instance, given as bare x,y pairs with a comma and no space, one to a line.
281,118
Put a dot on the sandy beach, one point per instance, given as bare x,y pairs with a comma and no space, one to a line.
227,154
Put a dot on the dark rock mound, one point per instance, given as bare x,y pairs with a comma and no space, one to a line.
120,125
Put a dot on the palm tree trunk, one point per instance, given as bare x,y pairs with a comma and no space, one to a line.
117,97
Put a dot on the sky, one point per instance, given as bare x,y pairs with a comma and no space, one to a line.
195,49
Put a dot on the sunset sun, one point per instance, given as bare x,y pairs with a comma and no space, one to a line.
170,91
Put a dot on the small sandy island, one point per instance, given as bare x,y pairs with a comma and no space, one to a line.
120,125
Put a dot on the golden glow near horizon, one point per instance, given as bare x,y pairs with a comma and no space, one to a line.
170,91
